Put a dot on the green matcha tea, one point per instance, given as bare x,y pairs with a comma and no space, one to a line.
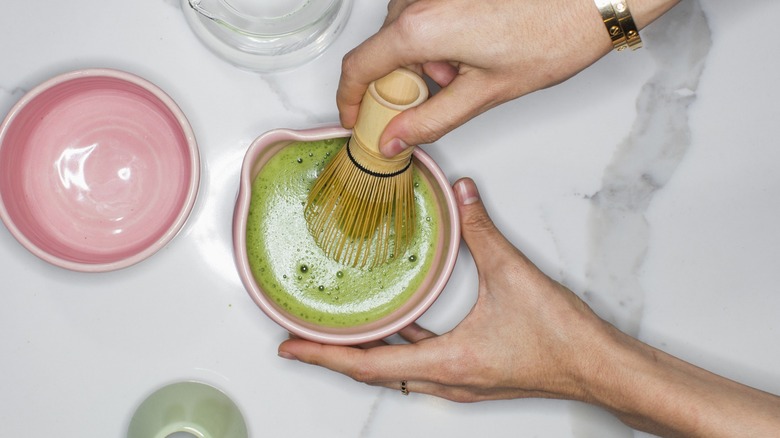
298,275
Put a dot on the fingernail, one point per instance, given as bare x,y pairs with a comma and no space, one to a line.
394,147
286,355
467,193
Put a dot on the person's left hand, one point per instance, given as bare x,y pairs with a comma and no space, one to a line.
526,336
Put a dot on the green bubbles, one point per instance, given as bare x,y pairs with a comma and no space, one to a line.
412,258
297,275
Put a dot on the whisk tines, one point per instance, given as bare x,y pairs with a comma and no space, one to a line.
359,217
361,209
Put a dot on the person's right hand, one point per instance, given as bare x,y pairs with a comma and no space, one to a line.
482,54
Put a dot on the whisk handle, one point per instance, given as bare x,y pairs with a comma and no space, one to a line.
385,98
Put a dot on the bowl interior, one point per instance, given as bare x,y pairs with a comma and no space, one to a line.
187,408
98,170
447,242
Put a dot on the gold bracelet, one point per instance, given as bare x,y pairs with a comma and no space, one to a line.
620,25
612,23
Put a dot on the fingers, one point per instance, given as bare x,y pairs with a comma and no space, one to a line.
441,72
457,393
372,344
413,36
480,234
454,393
354,80
379,364
388,363
394,9
489,248
414,333
377,368
407,39
373,59
462,99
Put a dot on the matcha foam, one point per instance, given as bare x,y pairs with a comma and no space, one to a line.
296,274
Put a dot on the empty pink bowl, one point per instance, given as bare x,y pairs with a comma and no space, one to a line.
99,169
443,261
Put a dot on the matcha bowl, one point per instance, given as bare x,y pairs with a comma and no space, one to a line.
99,169
292,280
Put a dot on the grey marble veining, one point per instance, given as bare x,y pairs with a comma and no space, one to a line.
9,96
663,221
369,430
643,163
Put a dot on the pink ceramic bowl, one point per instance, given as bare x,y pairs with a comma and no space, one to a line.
99,169
448,241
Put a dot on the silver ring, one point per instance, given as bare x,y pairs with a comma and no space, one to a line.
404,389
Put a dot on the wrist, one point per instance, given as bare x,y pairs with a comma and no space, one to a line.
621,20
647,11
614,370
653,391
598,364
588,356
633,381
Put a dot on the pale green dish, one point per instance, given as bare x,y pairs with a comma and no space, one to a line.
194,408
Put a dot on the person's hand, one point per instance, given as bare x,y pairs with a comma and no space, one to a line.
482,53
527,336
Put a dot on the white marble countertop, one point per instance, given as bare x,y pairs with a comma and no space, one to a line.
648,184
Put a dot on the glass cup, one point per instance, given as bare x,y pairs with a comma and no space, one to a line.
267,35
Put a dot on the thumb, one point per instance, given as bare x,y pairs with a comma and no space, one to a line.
478,230
458,102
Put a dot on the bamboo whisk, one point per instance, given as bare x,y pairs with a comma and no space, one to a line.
361,209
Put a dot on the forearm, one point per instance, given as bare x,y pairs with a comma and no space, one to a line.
653,391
